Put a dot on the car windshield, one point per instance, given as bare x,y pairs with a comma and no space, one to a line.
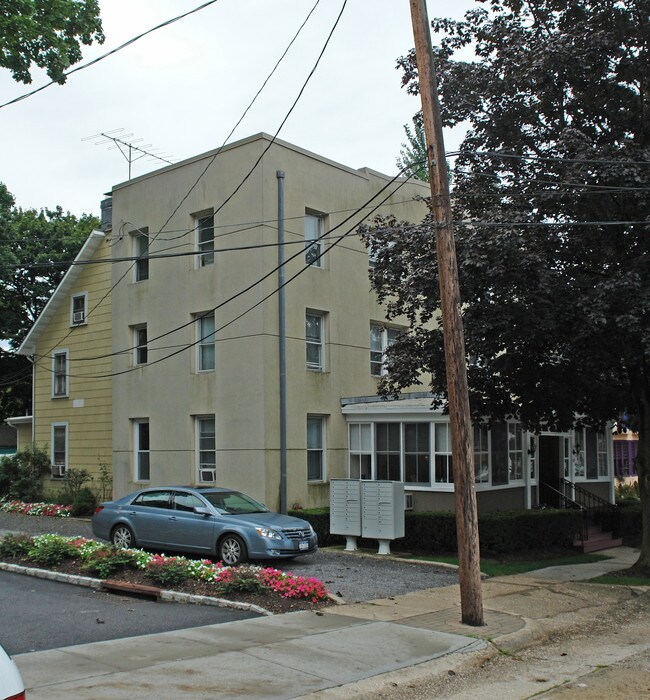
234,503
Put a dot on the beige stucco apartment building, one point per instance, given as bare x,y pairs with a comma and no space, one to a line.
191,390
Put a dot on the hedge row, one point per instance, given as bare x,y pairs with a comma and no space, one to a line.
500,531
626,523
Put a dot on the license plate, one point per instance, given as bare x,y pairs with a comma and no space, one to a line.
303,545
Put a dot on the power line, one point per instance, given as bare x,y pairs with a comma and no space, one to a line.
109,53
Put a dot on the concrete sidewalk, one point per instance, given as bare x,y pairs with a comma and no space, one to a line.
338,653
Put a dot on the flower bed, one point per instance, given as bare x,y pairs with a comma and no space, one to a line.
53,510
265,586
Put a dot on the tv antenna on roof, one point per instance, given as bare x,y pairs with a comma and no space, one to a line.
125,143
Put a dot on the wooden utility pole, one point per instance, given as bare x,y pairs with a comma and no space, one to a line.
471,597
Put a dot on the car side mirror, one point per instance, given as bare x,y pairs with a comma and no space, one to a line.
202,510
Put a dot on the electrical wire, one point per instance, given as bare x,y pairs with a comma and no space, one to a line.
109,53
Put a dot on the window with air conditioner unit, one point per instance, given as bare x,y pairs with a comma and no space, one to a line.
78,309
59,449
206,449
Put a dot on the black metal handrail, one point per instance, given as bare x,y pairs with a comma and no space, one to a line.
549,495
593,505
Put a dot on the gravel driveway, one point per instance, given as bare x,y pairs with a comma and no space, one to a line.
352,576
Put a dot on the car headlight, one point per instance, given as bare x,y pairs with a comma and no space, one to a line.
268,533
311,530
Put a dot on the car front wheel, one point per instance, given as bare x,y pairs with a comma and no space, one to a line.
232,550
123,537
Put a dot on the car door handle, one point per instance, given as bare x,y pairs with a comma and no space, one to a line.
171,517
133,512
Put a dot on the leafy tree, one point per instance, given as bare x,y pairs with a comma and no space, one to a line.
414,153
555,277
36,248
47,33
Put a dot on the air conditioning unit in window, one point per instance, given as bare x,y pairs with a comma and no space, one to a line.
78,317
207,475
58,471
408,501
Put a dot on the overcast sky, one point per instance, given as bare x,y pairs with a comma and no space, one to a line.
183,88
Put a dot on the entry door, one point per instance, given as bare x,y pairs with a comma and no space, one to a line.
551,465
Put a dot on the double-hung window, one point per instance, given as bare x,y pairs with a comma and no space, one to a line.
141,254
601,454
59,449
417,460
315,448
140,348
206,342
360,450
141,450
481,454
204,226
60,374
206,450
443,461
515,452
381,338
388,451
314,228
78,309
314,340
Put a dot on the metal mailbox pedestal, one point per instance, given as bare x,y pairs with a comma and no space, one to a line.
372,509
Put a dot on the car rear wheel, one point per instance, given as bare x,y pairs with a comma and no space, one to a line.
232,550
123,537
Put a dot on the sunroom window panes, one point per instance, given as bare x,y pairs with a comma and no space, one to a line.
388,451
444,473
360,450
417,460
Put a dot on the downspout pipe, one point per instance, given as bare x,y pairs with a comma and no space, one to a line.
282,346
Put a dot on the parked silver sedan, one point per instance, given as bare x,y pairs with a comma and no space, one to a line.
214,522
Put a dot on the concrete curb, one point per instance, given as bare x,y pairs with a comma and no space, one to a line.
170,596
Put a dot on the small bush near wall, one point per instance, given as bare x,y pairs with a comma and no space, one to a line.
501,531
626,523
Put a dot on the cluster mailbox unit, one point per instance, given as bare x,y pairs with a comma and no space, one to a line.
372,509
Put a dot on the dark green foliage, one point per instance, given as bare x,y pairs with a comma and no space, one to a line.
84,503
107,560
167,573
15,546
241,580
499,531
48,34
51,552
20,475
625,523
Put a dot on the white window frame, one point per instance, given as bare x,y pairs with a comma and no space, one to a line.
320,449
361,441
386,335
418,425
204,467
443,451
56,374
514,451
315,342
59,468
205,246
138,452
482,449
204,342
314,240
602,455
138,346
79,318
141,254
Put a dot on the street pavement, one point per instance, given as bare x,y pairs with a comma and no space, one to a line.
333,654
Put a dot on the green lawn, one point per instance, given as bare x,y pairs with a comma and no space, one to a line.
622,580
495,567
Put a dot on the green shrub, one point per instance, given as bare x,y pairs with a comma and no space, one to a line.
499,531
241,579
84,503
107,560
167,572
72,485
15,546
20,475
626,490
51,552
